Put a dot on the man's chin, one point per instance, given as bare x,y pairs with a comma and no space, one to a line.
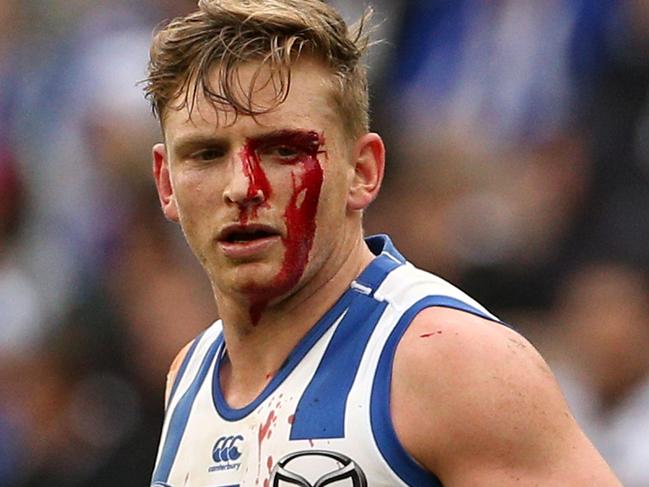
251,278
262,288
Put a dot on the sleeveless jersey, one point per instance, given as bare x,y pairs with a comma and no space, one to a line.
324,419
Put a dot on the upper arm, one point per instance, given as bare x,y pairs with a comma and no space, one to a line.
173,371
473,402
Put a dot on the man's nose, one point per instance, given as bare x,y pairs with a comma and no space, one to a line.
241,189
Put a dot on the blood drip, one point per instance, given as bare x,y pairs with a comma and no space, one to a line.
301,210
264,430
258,182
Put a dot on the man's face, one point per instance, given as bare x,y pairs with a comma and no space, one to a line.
262,202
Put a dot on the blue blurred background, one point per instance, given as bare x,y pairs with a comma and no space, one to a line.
518,168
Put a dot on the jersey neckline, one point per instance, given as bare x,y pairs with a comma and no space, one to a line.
387,259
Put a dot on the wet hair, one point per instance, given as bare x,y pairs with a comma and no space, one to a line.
223,35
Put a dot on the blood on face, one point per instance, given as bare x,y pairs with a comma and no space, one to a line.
299,149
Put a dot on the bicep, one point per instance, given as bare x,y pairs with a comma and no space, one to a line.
482,408
520,453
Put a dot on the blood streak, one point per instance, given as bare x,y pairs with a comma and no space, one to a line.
264,433
300,213
264,429
269,464
428,335
258,182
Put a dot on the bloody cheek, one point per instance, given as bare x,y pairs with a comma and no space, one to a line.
299,216
300,221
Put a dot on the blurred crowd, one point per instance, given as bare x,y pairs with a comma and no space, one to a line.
518,169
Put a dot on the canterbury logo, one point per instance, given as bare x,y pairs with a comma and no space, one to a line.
225,449
348,470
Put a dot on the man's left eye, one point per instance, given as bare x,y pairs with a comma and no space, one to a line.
284,152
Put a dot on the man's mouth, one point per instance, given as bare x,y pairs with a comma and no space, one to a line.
241,234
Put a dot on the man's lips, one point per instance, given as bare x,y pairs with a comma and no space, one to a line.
243,234
243,242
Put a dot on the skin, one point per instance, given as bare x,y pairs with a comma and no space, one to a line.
471,401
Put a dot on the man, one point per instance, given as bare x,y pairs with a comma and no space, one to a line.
335,362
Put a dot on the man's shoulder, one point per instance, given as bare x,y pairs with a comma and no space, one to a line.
471,382
175,368
454,348
204,339
474,402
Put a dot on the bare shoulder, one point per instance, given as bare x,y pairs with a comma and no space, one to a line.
463,349
475,403
174,368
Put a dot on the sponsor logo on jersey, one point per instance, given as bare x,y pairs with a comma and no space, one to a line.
292,470
226,453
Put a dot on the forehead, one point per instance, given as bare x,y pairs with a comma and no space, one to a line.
309,103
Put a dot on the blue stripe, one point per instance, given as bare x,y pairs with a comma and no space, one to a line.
321,411
381,243
183,367
310,339
382,428
178,421
375,274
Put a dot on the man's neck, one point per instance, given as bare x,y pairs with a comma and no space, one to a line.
256,352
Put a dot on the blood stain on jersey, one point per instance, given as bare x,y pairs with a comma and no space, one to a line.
264,430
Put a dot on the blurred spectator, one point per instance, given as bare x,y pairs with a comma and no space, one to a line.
81,398
618,115
21,314
496,72
92,400
491,220
602,361
513,136
21,321
92,117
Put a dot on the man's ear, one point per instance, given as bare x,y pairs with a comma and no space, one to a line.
369,165
163,182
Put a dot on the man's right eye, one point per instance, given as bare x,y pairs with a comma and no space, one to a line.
208,154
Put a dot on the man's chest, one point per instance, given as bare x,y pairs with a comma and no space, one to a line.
260,450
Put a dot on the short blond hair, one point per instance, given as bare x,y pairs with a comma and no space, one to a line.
224,34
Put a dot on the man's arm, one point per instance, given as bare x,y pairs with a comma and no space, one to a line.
473,402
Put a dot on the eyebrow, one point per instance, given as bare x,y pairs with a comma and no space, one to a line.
190,141
198,140
297,137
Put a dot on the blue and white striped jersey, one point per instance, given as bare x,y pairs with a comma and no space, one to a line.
324,419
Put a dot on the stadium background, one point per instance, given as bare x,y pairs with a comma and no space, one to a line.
518,152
